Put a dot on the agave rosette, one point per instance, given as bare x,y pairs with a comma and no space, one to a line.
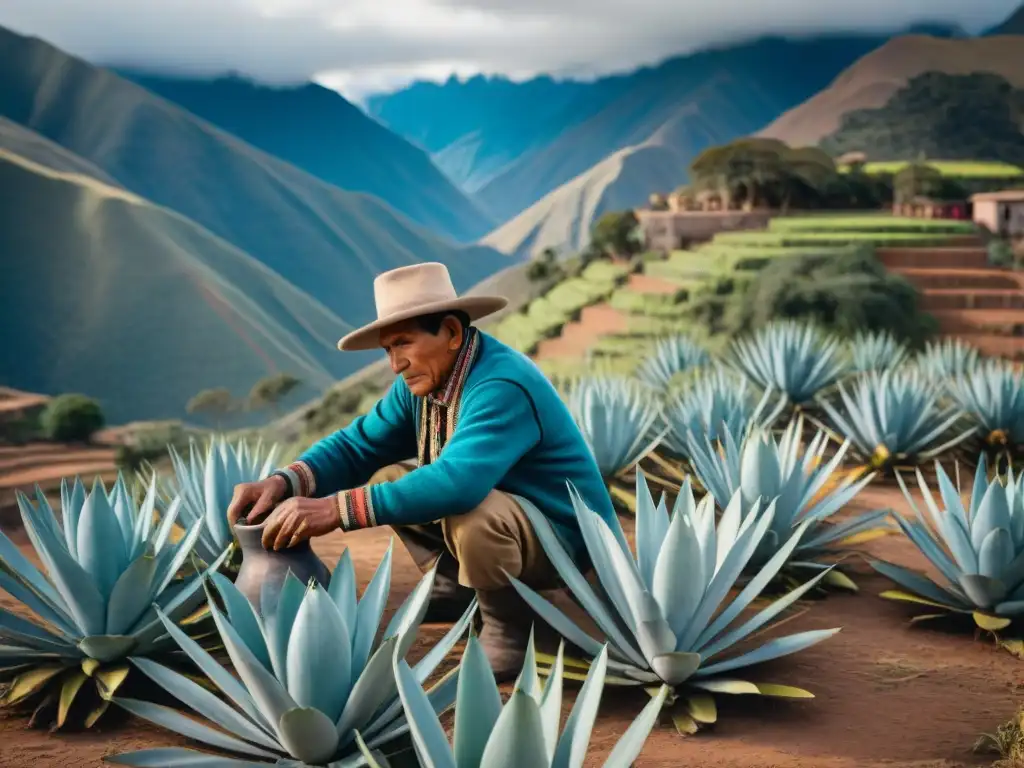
524,732
992,395
621,421
978,548
670,356
807,491
796,359
876,351
942,360
309,676
109,570
667,617
896,417
205,484
716,402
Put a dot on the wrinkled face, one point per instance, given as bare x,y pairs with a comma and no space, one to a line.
423,359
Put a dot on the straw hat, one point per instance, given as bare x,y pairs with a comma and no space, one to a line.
407,292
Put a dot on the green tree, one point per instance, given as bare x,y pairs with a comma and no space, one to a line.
215,403
917,179
268,392
72,418
617,234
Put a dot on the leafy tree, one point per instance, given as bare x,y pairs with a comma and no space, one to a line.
617,234
846,293
216,403
71,418
917,179
544,266
268,392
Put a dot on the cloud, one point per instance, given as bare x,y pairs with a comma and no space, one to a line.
365,45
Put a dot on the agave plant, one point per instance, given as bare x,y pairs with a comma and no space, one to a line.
205,484
715,403
942,360
310,676
978,549
876,351
806,489
670,355
109,573
992,394
621,421
667,616
896,417
523,733
793,358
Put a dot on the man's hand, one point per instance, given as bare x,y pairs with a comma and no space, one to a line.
260,497
298,519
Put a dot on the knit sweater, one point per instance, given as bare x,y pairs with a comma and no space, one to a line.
508,430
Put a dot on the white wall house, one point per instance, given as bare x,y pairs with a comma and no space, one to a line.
1002,213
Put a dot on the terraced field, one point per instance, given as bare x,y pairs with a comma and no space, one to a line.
946,260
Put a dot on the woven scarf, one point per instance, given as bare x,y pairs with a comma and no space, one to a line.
439,411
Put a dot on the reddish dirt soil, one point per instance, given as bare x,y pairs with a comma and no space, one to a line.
887,694
646,284
577,337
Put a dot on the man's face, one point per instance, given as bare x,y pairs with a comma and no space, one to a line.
423,359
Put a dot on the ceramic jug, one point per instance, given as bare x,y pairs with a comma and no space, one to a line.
263,571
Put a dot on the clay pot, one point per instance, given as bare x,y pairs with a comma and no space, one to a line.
263,571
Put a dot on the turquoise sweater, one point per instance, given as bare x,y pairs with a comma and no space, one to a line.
513,434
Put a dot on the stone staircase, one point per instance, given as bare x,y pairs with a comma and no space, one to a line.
981,304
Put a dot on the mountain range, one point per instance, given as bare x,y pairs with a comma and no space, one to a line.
321,244
179,233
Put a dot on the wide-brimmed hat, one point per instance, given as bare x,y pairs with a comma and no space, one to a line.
407,292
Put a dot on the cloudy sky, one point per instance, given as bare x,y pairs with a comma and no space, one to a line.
361,46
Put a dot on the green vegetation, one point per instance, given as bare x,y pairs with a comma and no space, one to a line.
972,118
71,418
956,169
880,223
544,317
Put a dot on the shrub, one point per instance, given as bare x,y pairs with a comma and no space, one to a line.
1000,254
72,417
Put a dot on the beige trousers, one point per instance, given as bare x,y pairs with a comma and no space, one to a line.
494,537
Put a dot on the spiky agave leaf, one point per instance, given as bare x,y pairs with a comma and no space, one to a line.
876,351
978,549
617,417
716,402
806,490
669,356
944,359
667,617
992,394
796,359
310,675
896,417
524,732
107,572
205,483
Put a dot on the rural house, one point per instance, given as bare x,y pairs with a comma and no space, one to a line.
1002,213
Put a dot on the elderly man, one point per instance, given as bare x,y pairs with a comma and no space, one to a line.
485,427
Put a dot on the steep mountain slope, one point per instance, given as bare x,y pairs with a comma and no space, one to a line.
562,219
131,303
474,129
317,130
949,117
30,145
873,79
1013,25
326,242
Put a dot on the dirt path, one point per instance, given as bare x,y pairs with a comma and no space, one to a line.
887,694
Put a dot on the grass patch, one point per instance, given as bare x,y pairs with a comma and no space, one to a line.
830,238
963,169
872,224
